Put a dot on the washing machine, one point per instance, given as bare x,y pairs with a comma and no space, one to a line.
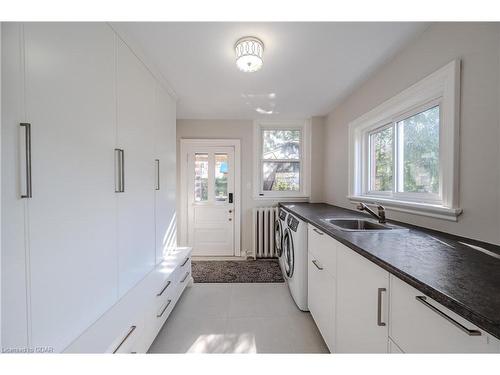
294,254
279,231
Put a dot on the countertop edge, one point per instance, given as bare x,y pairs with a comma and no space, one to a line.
493,328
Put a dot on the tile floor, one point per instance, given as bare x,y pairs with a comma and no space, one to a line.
238,318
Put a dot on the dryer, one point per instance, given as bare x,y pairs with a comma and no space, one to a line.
294,254
279,231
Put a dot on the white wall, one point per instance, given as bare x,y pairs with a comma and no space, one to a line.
243,130
478,46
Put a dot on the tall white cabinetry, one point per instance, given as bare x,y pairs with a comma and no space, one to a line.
75,246
136,104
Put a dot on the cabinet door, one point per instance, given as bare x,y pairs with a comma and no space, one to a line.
362,302
13,272
70,105
421,325
321,299
165,146
136,93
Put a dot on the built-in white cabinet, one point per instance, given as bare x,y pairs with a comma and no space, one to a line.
165,165
362,304
81,229
321,285
132,324
136,104
360,308
421,325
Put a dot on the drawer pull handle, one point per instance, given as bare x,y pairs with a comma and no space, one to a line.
185,261
380,323
185,277
164,308
470,332
317,231
164,288
315,262
129,332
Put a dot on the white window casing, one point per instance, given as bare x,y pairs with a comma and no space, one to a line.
305,140
441,88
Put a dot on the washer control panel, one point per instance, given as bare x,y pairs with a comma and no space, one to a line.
293,223
282,214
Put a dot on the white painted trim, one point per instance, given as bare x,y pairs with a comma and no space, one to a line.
120,32
443,87
185,145
305,162
416,208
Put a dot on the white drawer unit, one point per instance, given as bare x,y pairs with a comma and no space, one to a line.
421,325
132,324
323,247
321,299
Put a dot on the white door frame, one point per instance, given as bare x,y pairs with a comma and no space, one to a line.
185,146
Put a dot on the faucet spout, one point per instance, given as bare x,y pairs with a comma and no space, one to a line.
381,212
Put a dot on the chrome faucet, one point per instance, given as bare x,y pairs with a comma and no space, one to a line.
381,212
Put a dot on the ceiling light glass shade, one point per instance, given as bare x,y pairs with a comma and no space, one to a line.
249,52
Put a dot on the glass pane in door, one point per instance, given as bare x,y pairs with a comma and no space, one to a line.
221,173
200,177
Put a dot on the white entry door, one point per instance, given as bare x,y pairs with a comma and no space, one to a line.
210,185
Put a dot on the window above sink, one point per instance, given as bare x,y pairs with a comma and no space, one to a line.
404,153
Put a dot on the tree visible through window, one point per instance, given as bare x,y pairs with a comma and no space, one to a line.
404,156
281,160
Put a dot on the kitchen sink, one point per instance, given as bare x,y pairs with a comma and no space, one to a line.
361,225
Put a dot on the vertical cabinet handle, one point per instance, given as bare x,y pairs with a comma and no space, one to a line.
157,165
119,170
379,307
27,140
129,332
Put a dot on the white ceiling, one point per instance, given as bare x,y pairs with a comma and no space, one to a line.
308,67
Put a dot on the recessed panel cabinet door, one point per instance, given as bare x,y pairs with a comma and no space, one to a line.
165,145
136,96
72,250
362,304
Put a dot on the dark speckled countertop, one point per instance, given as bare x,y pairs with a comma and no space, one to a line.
465,280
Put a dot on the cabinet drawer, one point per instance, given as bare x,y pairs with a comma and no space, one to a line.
323,248
419,324
321,300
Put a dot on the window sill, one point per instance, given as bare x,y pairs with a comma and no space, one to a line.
288,198
423,209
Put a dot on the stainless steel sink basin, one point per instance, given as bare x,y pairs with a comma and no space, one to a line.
361,225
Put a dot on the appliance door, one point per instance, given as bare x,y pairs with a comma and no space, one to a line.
278,237
288,253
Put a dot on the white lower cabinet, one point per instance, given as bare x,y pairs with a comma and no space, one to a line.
321,286
362,304
421,325
321,300
132,324
360,308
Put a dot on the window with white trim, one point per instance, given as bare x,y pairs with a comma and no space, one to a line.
404,153
280,159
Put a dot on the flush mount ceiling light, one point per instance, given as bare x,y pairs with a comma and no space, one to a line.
249,52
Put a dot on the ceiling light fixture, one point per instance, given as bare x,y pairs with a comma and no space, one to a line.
249,52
